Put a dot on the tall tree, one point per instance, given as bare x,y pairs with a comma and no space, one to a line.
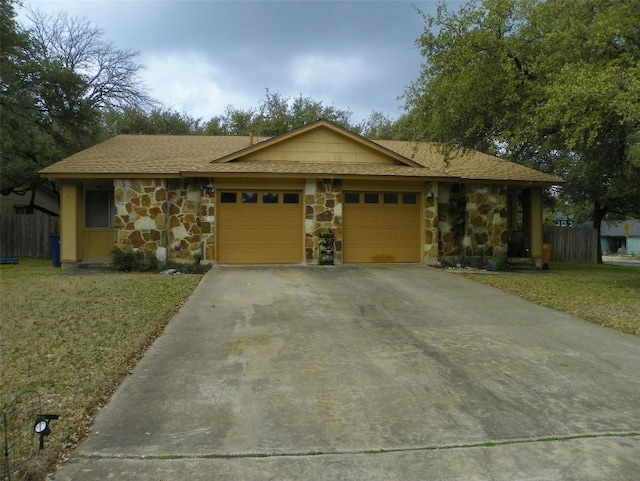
58,78
591,56
111,75
551,84
41,115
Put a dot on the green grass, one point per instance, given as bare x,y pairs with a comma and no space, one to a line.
605,294
73,338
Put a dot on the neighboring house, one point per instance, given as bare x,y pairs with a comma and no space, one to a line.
46,201
563,220
615,239
247,200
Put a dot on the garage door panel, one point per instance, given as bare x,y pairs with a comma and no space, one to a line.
260,233
381,232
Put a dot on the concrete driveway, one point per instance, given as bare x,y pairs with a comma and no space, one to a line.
369,373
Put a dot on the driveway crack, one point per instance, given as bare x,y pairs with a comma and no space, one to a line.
486,444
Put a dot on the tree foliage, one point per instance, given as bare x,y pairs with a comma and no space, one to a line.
41,115
554,84
276,115
157,121
58,78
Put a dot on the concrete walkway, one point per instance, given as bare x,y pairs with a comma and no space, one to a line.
369,373
621,261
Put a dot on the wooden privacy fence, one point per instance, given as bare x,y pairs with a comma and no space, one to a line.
26,235
572,244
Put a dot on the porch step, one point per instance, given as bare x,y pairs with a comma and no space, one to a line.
522,263
98,265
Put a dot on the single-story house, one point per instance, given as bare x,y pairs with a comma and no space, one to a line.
620,237
293,199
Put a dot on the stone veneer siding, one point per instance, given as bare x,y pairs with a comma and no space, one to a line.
140,219
207,220
323,211
431,223
487,232
167,219
486,226
175,219
185,221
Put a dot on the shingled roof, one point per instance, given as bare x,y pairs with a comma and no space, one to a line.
196,155
469,165
149,155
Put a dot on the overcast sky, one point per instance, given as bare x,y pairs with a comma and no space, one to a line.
201,56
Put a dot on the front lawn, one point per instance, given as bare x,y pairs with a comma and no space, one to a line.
73,337
605,294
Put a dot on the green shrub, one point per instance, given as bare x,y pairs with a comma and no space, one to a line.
133,262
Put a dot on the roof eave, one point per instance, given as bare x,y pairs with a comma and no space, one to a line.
108,175
519,182
320,175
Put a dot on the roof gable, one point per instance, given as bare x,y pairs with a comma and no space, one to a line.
320,142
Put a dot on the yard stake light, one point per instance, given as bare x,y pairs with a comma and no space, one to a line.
41,427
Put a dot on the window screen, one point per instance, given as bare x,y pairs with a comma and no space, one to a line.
99,210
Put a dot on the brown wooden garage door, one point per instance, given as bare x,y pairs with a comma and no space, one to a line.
381,227
259,227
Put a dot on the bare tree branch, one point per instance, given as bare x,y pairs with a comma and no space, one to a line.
111,74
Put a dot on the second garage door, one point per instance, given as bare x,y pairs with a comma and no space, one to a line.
381,227
259,227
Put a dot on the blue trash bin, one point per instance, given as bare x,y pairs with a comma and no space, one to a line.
54,242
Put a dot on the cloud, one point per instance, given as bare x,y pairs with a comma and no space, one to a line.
204,55
191,83
326,73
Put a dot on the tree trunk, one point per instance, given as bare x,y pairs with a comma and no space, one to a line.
598,216
32,200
